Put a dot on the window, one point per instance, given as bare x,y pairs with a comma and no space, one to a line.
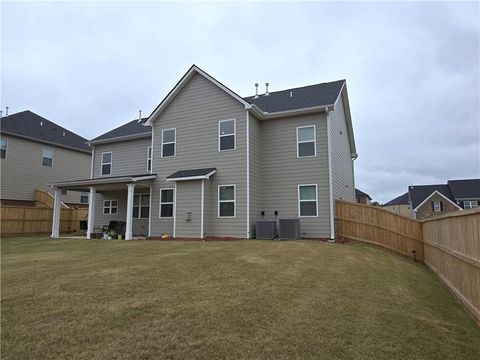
470,204
47,157
84,198
169,137
3,148
110,207
306,141
166,203
64,192
141,206
437,206
226,135
149,158
307,200
226,201
106,163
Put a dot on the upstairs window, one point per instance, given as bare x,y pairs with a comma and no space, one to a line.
106,163
47,157
470,204
169,138
110,207
141,206
306,144
226,201
437,206
226,135
149,158
166,203
307,200
3,148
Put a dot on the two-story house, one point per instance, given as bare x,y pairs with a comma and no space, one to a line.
208,163
35,152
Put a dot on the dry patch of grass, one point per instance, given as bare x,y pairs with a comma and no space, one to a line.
97,299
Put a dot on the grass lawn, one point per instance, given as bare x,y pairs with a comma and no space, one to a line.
98,299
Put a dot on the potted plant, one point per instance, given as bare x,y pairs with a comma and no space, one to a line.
112,235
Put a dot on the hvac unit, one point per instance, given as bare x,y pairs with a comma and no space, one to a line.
266,229
289,229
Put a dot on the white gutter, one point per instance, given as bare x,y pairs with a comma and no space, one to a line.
120,138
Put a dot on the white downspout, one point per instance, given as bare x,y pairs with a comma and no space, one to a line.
330,181
92,166
202,202
248,174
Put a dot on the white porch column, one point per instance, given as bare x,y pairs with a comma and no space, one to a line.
91,211
128,231
56,214
202,201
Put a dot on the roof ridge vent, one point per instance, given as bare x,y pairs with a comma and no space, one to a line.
266,89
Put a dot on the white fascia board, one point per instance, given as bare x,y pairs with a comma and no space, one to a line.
200,177
438,193
179,86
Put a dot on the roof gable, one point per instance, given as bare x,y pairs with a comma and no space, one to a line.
29,125
418,193
436,192
181,84
126,131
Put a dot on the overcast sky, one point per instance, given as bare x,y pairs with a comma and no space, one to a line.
412,70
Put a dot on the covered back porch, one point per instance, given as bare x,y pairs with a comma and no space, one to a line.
121,198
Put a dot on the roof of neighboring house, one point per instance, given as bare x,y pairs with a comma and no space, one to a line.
361,193
131,128
299,98
402,199
29,125
418,193
465,189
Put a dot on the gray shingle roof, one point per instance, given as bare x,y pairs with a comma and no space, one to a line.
465,189
189,173
402,199
302,97
33,126
361,193
131,128
418,193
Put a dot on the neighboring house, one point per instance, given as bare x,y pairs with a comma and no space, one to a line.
35,152
400,205
361,197
430,200
209,163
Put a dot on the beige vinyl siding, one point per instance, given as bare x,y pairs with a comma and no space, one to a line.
22,171
188,200
282,172
195,113
256,183
342,164
128,157
139,227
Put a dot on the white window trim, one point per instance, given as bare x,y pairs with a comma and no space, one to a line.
102,163
470,202
174,142
166,203
299,201
6,148
83,194
52,151
234,135
439,194
234,202
140,206
437,208
308,141
110,207
149,158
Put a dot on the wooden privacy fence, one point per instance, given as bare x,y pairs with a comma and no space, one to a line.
448,244
31,220
380,227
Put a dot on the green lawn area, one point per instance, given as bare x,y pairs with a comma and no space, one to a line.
100,299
